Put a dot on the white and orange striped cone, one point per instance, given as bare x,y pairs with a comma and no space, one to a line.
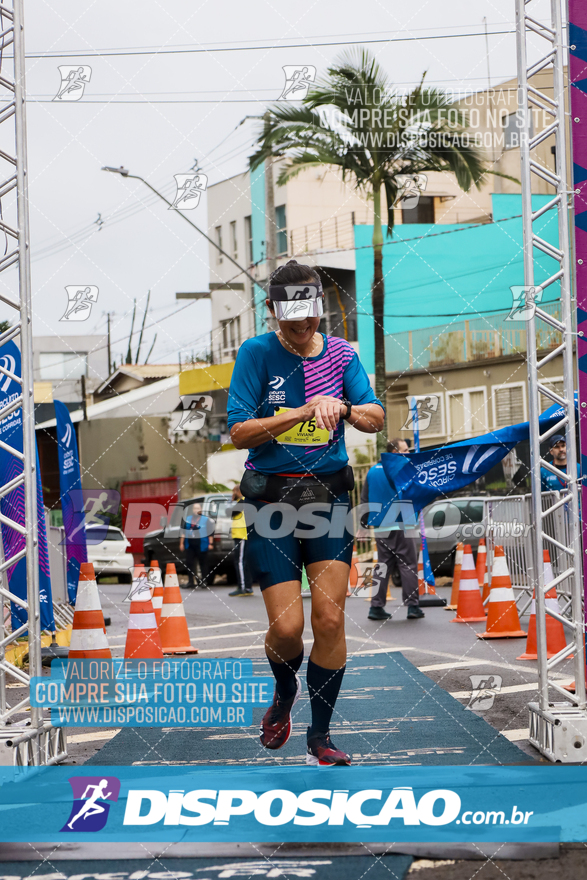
469,607
156,582
503,621
173,627
481,564
88,636
368,577
353,573
142,638
456,579
555,631
486,590
429,598
421,581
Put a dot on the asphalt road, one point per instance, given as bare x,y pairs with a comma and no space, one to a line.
448,653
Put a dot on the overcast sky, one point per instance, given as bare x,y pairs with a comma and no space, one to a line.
154,113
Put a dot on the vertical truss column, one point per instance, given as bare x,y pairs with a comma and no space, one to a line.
14,225
557,729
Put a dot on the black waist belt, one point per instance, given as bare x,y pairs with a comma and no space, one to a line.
297,489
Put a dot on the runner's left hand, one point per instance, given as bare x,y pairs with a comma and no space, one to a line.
327,411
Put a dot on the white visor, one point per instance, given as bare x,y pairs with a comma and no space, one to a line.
299,309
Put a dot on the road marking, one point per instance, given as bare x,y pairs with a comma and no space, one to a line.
464,663
244,647
256,632
92,737
511,689
516,735
218,625
529,670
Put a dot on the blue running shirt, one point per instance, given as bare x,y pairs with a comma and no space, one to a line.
266,376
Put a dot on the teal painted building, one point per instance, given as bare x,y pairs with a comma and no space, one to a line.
445,275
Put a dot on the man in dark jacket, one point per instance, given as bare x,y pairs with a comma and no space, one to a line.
394,549
197,543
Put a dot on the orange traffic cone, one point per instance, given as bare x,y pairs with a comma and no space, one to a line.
142,639
156,582
421,581
427,592
456,579
555,631
353,573
173,627
88,636
481,564
486,590
502,615
469,606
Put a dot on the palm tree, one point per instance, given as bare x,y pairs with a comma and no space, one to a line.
355,119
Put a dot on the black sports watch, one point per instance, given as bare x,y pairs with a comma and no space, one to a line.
348,405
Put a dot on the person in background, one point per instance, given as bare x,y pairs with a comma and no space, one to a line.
239,536
396,549
558,450
196,546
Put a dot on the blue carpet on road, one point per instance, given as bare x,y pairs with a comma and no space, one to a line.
387,713
313,867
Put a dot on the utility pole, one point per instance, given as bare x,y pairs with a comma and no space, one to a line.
108,344
270,231
132,327
84,400
142,328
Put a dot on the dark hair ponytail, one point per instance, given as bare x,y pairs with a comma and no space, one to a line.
293,273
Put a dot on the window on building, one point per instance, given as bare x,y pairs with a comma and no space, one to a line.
231,336
59,365
422,213
281,230
512,129
219,243
467,413
249,238
509,405
233,239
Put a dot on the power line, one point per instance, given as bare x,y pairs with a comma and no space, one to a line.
273,41
103,53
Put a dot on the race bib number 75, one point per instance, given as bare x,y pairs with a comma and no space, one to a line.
304,433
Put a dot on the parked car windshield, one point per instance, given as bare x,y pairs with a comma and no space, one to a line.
111,535
218,507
